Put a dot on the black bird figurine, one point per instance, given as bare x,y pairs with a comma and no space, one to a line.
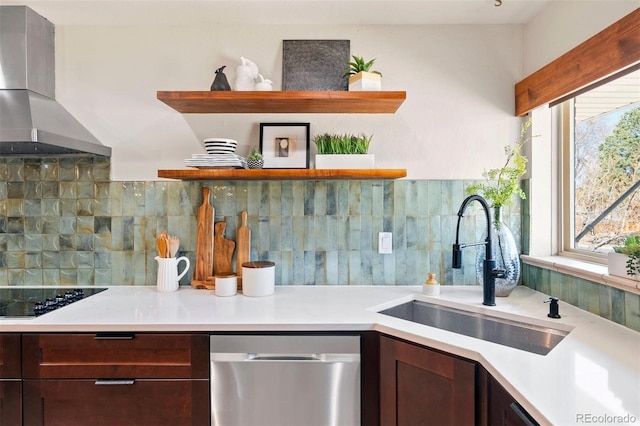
220,82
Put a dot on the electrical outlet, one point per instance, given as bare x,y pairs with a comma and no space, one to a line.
385,242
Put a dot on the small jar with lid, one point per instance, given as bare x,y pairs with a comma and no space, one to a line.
226,284
258,278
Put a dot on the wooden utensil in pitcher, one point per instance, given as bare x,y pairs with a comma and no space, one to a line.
174,245
162,246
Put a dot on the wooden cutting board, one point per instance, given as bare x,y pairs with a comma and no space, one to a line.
222,249
243,246
203,270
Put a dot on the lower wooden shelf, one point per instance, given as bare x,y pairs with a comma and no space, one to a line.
281,174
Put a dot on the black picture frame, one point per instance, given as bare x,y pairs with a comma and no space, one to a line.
285,145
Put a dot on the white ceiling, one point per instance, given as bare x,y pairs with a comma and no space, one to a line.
394,12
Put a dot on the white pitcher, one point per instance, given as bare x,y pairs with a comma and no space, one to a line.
168,277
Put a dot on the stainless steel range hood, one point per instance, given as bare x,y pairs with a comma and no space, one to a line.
32,123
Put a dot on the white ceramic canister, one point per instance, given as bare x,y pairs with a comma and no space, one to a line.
226,284
258,278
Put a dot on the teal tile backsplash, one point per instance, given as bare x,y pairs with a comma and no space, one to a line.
63,222
622,307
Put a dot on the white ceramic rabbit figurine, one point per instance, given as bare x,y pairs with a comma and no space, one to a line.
247,72
264,85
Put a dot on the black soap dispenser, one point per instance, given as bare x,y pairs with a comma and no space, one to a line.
554,308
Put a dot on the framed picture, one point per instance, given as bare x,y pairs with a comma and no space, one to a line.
285,145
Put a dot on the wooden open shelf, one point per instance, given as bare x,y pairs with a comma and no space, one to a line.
281,174
207,102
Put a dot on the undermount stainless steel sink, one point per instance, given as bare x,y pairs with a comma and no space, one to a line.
516,334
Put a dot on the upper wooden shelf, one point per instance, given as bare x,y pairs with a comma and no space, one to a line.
281,174
201,102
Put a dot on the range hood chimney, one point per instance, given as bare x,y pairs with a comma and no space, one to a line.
32,123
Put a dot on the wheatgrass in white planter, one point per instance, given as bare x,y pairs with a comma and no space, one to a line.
343,151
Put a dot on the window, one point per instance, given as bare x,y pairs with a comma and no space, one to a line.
601,169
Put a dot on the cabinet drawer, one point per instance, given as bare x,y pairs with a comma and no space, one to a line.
113,356
142,402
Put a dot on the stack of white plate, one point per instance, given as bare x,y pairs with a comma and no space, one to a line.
220,146
217,161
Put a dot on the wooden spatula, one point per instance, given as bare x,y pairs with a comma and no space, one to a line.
162,246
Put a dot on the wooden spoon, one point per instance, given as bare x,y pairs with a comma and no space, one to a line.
174,245
162,246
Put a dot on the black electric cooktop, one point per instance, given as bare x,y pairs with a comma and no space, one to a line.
19,302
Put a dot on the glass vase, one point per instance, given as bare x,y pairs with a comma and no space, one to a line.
505,253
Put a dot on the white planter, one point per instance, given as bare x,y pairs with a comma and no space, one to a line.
365,81
344,161
617,265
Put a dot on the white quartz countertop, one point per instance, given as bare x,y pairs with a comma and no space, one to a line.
591,377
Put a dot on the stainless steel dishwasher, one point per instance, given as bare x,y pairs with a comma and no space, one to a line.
280,380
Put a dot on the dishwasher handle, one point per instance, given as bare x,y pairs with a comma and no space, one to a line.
274,357
284,357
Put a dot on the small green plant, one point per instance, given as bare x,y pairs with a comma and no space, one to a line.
255,154
328,143
359,65
502,183
631,248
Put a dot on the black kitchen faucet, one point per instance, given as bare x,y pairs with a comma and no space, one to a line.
489,273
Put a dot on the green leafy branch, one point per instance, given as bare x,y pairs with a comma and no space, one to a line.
504,182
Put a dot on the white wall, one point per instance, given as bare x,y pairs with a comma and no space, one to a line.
459,81
457,117
563,25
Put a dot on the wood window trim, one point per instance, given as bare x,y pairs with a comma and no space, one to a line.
611,50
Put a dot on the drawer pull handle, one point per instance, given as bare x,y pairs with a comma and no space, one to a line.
114,336
115,382
524,416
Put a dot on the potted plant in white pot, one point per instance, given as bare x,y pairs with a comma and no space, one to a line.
361,77
343,151
624,261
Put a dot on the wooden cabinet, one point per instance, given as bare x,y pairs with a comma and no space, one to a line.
10,382
10,402
9,356
420,386
503,410
124,379
115,356
134,402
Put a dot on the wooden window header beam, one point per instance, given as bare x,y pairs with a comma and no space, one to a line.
611,50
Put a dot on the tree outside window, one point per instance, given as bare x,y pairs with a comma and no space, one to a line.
606,178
